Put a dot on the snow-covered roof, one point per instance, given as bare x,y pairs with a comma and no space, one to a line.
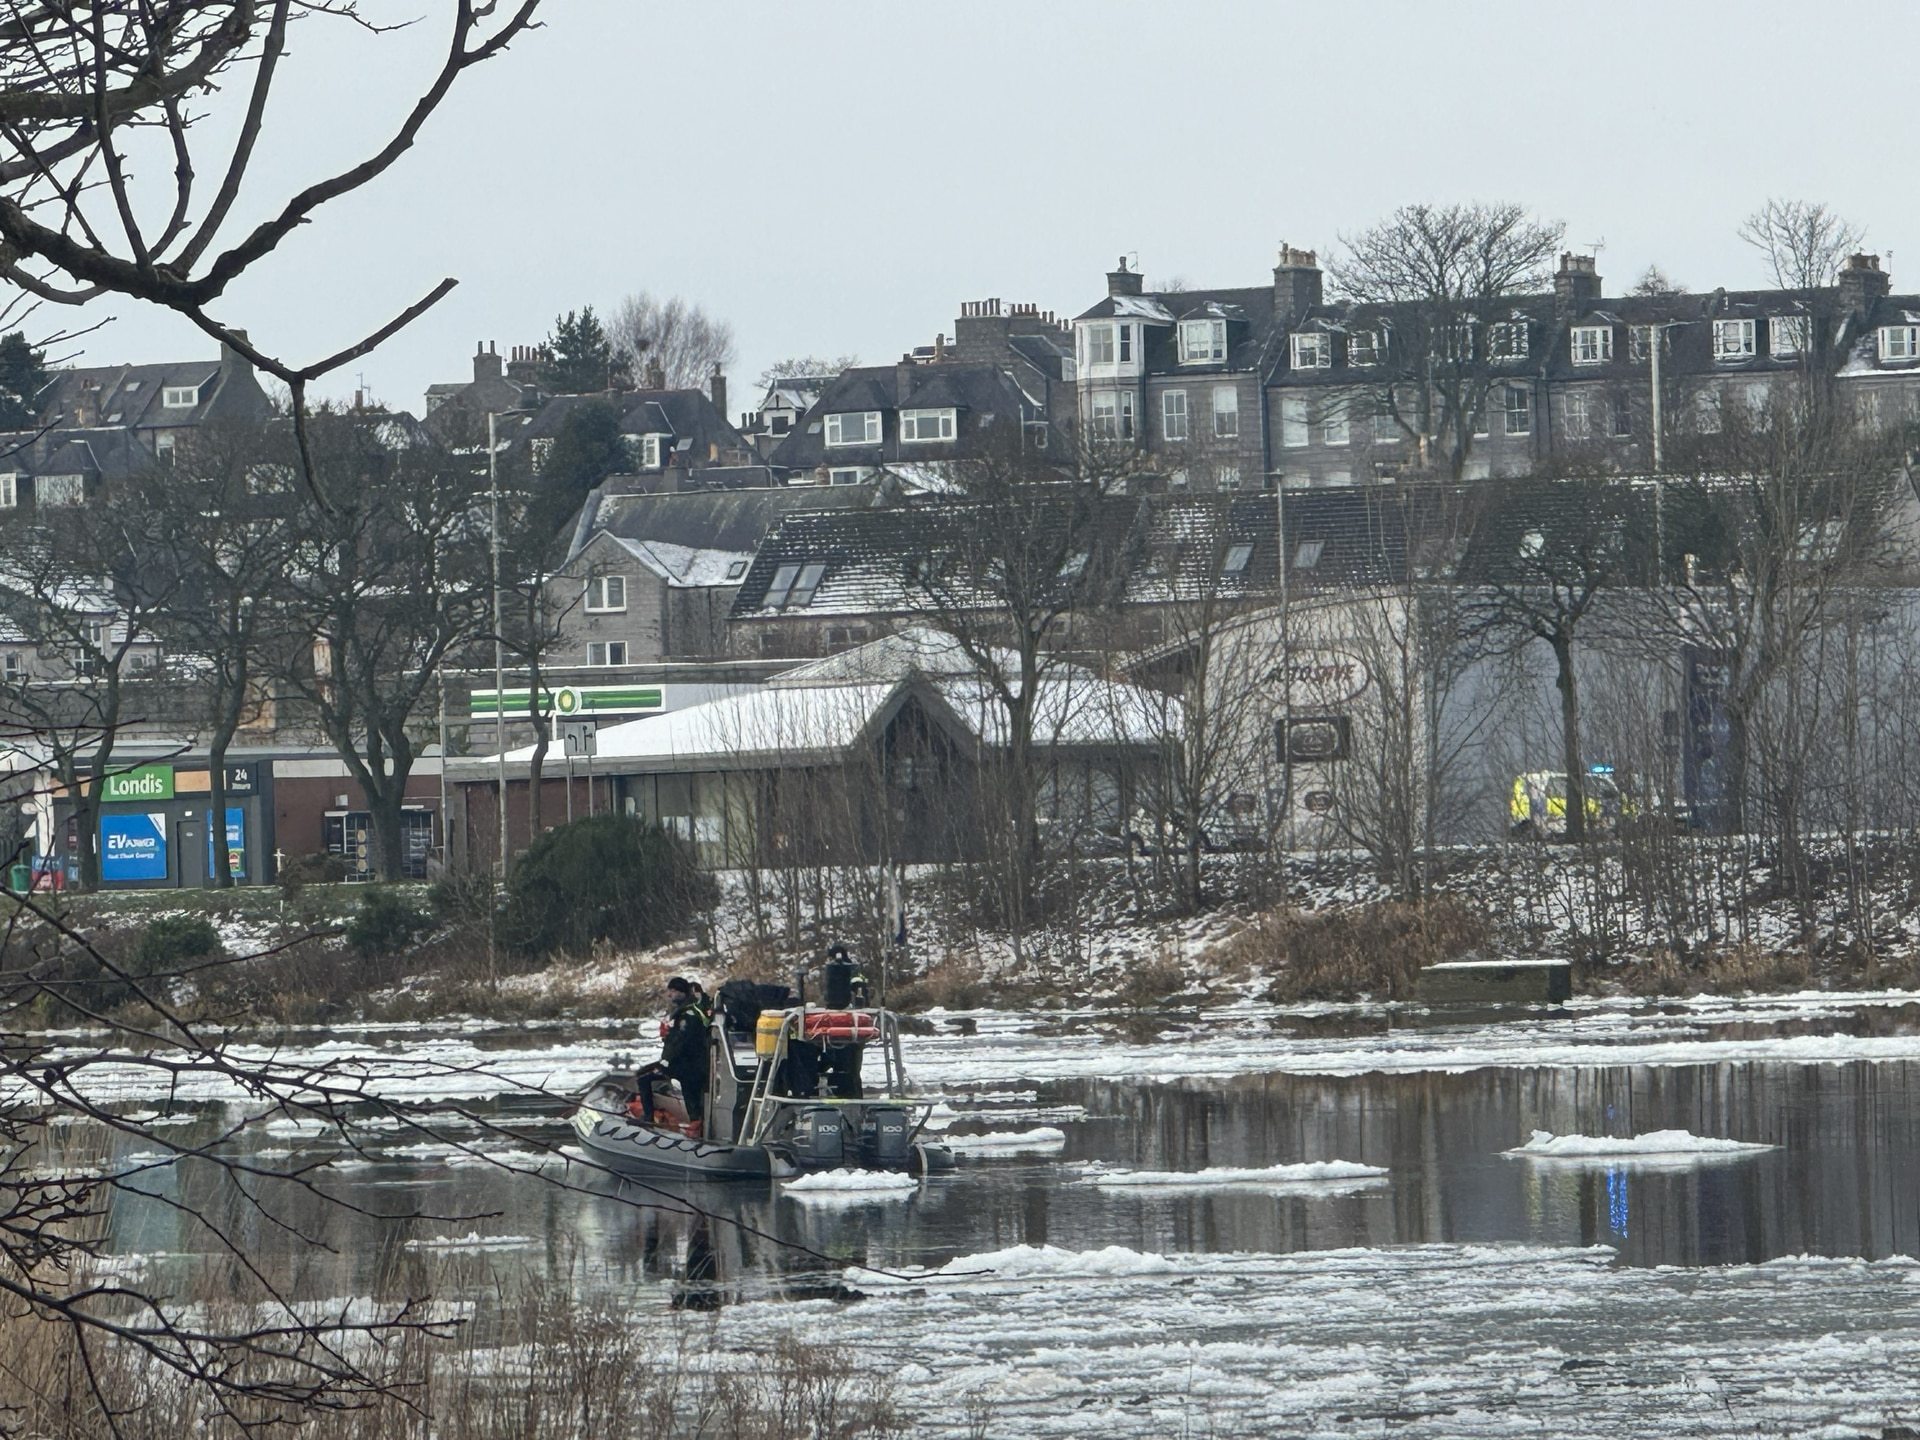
1143,307
685,566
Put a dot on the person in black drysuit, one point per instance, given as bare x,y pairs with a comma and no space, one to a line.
684,1049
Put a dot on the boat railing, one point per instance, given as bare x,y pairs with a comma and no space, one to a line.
764,1103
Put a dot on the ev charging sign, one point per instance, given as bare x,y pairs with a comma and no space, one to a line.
133,847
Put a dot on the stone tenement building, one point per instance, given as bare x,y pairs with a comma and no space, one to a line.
1274,386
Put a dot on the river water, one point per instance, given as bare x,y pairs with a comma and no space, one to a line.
1697,1282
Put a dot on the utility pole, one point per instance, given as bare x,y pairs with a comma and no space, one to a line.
499,655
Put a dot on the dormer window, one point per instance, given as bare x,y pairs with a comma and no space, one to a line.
1733,339
1592,344
925,425
1363,347
1899,342
1507,340
1099,344
653,451
854,427
180,397
1203,342
1790,334
1312,351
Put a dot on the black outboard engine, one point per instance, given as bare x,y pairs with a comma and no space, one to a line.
883,1136
836,979
819,1137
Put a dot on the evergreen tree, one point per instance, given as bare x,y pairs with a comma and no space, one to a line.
23,372
586,449
579,356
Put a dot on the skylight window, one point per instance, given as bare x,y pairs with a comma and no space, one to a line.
781,586
1308,555
1237,558
809,581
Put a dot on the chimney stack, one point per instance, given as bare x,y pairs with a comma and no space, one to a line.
486,363
1296,284
230,358
903,379
1862,282
1576,284
717,388
656,376
1124,281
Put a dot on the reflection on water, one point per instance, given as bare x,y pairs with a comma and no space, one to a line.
1842,1182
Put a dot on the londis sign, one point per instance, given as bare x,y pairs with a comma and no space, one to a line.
145,782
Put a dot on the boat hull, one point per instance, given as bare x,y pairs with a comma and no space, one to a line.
639,1150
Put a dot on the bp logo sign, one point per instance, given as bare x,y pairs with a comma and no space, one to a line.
566,701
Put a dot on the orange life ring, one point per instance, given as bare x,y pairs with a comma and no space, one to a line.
840,1025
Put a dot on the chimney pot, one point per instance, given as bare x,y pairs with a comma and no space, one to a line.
717,388
1576,285
1123,281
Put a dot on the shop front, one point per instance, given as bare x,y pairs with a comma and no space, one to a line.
157,828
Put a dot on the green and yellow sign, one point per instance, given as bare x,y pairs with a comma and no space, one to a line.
569,700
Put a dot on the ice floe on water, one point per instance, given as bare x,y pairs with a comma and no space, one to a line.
1311,1172
1655,1144
1040,1140
856,1183
472,1240
1427,1342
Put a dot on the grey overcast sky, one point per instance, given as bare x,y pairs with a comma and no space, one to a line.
837,178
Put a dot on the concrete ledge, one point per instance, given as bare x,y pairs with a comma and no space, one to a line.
1499,982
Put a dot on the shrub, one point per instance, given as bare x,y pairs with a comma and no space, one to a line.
1357,950
465,897
608,877
304,870
386,922
174,938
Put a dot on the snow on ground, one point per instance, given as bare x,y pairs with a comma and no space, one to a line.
1435,1342
472,1240
1311,1172
1546,1145
1041,1140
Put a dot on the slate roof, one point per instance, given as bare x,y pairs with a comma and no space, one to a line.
688,416
1253,329
982,396
870,559
727,520
132,395
96,453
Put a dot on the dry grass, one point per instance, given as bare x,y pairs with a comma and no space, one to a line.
1354,952
543,1367
1727,970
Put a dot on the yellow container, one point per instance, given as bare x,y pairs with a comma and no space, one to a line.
766,1034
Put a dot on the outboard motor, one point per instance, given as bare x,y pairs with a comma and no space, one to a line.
819,1137
883,1136
837,981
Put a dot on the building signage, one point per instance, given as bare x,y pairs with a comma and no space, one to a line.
569,700
133,846
1321,677
236,843
242,779
144,782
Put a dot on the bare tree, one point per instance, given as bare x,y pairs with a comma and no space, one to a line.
94,97
391,573
225,538
1434,279
674,338
805,367
1552,550
1803,242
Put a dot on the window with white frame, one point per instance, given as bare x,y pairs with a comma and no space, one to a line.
1237,558
1519,408
1293,421
13,665
1226,477
1592,344
607,652
1507,340
653,451
1789,334
1899,342
60,490
1333,422
9,490
163,448
180,397
1202,342
854,427
1363,347
1639,338
807,583
1733,339
923,425
780,586
1173,415
1576,414
1312,350
98,633
606,593
1456,340
846,475
1113,415
86,663
1099,344
1126,415
1226,412
1126,344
